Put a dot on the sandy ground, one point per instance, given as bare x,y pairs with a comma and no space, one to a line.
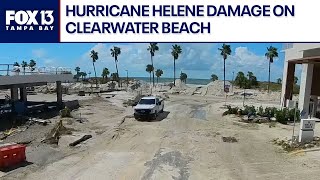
185,142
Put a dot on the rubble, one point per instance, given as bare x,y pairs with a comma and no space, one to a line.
229,139
289,146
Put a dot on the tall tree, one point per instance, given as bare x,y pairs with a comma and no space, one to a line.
271,53
241,80
214,77
77,76
175,52
149,69
115,52
83,75
183,77
159,73
279,81
94,56
77,69
114,77
24,64
225,51
16,67
252,80
153,47
105,73
32,65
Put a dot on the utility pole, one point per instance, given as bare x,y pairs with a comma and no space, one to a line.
232,81
127,79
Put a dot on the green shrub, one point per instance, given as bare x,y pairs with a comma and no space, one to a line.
231,110
248,109
260,111
65,113
281,116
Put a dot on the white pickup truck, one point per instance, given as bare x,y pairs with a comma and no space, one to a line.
148,107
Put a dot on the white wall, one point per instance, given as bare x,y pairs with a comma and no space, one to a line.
20,79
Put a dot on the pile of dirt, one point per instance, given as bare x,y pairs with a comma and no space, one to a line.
215,88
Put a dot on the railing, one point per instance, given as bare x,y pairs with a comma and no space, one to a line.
10,69
286,46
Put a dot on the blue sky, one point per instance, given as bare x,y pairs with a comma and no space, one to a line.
198,60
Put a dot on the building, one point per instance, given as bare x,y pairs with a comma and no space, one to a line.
308,55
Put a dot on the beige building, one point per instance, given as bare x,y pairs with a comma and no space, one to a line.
308,55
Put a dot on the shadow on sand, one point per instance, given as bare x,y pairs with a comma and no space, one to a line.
24,164
160,117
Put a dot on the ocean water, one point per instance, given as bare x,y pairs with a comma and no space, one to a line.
169,80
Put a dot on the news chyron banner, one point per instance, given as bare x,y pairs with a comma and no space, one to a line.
159,21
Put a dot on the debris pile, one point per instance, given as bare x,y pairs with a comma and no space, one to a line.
54,135
289,145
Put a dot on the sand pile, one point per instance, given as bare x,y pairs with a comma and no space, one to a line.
180,87
214,88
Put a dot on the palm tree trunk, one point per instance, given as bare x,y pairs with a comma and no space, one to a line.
269,77
224,75
95,74
150,77
117,73
174,72
157,80
152,71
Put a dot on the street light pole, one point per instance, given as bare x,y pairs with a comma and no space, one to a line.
127,79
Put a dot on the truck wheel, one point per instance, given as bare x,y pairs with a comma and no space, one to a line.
155,116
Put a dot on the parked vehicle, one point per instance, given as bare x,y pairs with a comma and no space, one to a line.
148,107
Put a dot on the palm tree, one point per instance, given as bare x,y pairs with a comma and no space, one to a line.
159,73
279,81
271,53
78,73
94,57
24,64
153,47
149,69
32,65
214,77
176,50
83,75
115,52
114,77
225,51
77,69
16,67
105,73
183,77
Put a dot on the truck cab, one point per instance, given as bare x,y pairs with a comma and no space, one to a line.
148,107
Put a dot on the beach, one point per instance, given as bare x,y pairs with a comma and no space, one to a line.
183,142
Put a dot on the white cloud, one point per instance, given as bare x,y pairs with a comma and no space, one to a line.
39,53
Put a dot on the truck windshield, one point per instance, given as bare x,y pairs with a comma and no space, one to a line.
147,101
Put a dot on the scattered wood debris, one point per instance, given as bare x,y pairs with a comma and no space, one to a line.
84,138
229,139
54,135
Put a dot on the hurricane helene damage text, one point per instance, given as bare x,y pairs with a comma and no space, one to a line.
107,18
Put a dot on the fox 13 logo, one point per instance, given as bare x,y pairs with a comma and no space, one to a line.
29,20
